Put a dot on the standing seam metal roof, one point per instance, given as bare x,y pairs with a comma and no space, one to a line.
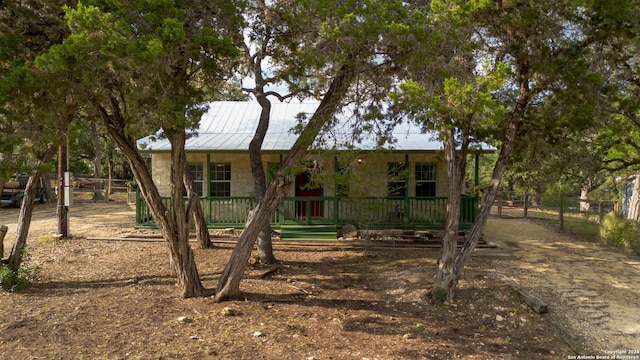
230,126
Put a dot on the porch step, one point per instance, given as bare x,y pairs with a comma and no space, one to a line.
308,232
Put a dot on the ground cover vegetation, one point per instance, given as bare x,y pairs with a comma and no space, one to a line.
552,85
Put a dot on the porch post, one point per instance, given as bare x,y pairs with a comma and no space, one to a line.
407,188
138,207
336,196
280,218
205,190
477,169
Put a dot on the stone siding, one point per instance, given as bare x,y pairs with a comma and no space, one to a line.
368,177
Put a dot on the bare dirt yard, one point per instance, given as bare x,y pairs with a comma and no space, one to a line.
99,299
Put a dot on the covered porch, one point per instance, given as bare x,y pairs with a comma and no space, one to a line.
320,217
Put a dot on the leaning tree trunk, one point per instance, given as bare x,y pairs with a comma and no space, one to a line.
195,209
634,204
24,222
229,284
265,245
500,167
172,225
26,210
456,164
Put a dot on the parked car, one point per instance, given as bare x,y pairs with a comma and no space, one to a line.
12,197
13,192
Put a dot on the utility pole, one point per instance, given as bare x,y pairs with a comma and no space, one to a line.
63,213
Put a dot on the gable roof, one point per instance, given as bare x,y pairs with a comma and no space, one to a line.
230,126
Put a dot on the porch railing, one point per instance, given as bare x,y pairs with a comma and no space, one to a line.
381,213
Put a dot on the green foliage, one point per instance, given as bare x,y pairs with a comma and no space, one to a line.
439,295
12,281
620,232
420,330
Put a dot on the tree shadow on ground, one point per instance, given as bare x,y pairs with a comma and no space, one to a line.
62,288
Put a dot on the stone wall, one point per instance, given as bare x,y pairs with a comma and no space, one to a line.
369,175
241,178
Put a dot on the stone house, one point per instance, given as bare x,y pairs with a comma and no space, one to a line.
398,186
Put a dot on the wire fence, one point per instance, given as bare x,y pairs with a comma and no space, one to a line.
568,213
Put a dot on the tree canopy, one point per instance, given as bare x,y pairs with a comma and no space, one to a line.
553,85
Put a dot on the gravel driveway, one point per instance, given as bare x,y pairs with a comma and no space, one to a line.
592,290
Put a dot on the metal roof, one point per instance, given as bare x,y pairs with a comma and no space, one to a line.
230,126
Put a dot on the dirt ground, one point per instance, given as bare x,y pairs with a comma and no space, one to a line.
117,300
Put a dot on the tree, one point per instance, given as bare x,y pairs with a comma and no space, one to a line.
455,101
549,67
342,42
32,119
140,66
545,62
265,30
617,41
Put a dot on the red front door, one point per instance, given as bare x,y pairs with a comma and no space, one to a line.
306,188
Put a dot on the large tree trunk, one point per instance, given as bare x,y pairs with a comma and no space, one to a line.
24,222
500,167
195,209
182,257
26,210
265,246
229,284
455,163
634,204
172,225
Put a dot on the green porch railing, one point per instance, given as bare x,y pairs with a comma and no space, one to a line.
374,213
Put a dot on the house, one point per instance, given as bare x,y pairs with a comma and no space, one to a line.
397,186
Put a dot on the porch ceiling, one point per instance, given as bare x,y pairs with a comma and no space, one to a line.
230,126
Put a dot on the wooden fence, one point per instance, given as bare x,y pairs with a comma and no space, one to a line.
562,204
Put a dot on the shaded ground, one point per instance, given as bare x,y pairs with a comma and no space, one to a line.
116,299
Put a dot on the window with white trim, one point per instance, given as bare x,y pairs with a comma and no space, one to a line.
220,179
425,179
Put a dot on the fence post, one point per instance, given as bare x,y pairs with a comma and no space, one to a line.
561,213
601,210
3,232
499,204
526,202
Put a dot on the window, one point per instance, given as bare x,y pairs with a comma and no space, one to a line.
220,179
425,179
396,184
197,174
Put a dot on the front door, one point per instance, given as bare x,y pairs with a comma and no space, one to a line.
306,188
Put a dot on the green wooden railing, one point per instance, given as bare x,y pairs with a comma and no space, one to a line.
389,212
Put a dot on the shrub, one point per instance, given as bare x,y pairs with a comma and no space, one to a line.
620,232
13,281
10,280
439,295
